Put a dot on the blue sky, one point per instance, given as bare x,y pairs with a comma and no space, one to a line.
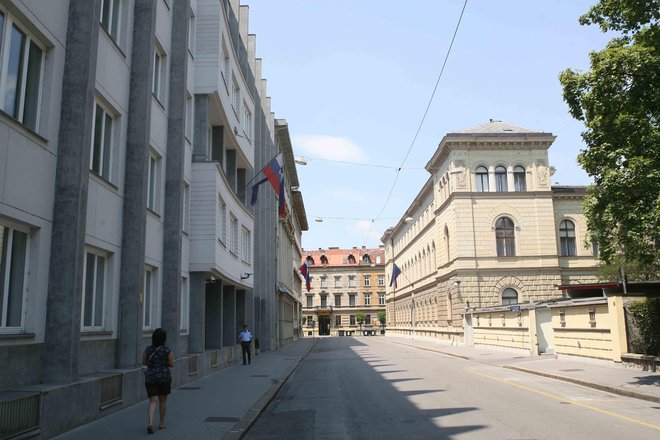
353,79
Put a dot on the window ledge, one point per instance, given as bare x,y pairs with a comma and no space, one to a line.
9,336
91,333
24,129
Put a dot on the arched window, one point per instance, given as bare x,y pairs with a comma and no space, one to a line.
567,238
482,179
309,261
351,259
366,259
500,179
519,178
324,259
509,296
447,242
505,237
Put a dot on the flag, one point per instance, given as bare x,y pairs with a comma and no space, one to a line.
273,171
281,207
304,271
255,190
395,273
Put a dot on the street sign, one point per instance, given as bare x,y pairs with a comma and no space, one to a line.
514,308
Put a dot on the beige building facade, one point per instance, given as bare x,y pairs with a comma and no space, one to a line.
486,229
344,284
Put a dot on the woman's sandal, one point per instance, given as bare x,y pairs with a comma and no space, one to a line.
150,429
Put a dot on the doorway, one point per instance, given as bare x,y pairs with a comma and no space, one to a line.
324,325
544,330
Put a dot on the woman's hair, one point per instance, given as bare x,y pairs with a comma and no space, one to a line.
158,337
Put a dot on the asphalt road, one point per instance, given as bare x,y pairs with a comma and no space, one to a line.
374,388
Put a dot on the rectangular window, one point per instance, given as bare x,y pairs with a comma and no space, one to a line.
149,298
351,281
185,305
110,13
93,291
160,71
233,235
153,181
13,262
226,64
21,74
186,207
100,160
381,299
309,300
222,223
337,300
337,320
367,319
337,281
351,300
367,299
235,96
247,121
381,280
246,251
192,33
324,300
324,281
351,319
367,280
189,117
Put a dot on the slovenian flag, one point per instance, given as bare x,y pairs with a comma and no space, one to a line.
304,271
274,174
395,273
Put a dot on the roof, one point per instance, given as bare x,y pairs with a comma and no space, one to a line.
339,257
495,127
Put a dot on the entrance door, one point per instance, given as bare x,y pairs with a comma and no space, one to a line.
324,325
544,330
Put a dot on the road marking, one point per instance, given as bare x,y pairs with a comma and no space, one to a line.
564,399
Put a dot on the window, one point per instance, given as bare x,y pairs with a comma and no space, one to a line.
192,31
324,300
381,280
338,300
226,64
505,237
351,281
21,73
509,296
153,181
235,96
519,178
160,71
93,291
337,320
222,224
186,207
324,281
185,305
447,243
367,319
351,300
381,299
324,259
247,121
233,234
246,245
149,301
110,17
367,299
189,117
482,179
567,238
351,319
500,179
351,259
310,299
13,261
100,160
366,259
337,281
367,280
309,261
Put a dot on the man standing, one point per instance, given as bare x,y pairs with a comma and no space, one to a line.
246,338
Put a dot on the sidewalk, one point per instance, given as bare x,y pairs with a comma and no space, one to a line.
225,404
219,406
613,378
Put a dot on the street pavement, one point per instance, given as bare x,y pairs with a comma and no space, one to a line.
225,404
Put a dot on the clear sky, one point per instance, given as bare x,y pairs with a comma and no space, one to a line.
354,77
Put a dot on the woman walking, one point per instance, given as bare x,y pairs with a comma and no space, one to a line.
157,379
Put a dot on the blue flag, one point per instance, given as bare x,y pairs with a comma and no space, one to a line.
395,273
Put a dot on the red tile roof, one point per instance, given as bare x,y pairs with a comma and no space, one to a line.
340,257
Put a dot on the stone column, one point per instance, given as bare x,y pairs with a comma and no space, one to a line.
229,326
176,141
197,321
62,340
131,285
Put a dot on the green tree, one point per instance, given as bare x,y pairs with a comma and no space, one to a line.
360,318
618,100
382,318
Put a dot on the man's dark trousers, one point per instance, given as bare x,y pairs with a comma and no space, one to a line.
245,345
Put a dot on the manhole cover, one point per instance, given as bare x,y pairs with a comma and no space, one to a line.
571,369
189,388
222,419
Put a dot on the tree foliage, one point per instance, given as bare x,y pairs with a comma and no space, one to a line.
618,100
381,317
360,318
